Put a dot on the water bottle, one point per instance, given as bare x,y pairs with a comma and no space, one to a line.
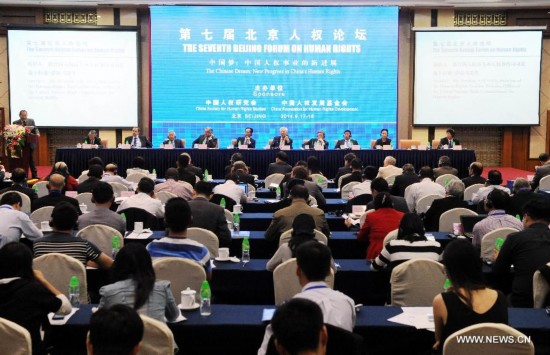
236,223
278,193
429,145
123,216
206,295
319,180
74,292
222,202
447,285
154,172
115,245
498,243
206,175
518,217
35,188
245,257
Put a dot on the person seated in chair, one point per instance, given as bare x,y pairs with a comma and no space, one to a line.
383,140
92,138
172,140
282,140
454,198
207,138
111,175
246,140
55,195
138,166
102,197
230,189
136,140
320,141
14,222
449,140
144,199
347,142
19,183
444,167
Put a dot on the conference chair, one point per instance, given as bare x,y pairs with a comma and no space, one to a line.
435,143
447,219
206,238
136,177
364,216
285,237
86,198
60,275
101,236
339,182
471,190
104,143
424,203
452,346
164,196
42,214
312,201
344,193
181,273
251,187
361,200
391,179
373,144
408,143
390,236
544,183
229,202
118,188
286,284
445,179
157,337
416,282
320,180
26,206
229,218
41,188
83,177
273,179
541,289
149,220
14,339
489,239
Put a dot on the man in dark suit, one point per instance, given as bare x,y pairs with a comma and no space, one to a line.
247,139
453,199
136,140
381,185
346,168
347,142
208,215
281,140
521,194
449,140
55,186
280,166
444,167
171,139
185,171
475,170
299,172
29,122
319,141
92,138
356,173
207,138
401,182
95,173
19,178
541,172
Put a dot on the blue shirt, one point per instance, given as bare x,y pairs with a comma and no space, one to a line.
180,248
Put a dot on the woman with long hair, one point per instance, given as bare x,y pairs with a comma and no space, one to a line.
134,285
468,301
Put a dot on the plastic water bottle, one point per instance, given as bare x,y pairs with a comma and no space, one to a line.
429,145
319,180
222,202
206,295
74,292
35,188
205,175
245,257
498,243
154,172
447,285
123,216
518,217
236,223
278,193
115,245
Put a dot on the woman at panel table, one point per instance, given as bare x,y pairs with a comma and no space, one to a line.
383,140
318,142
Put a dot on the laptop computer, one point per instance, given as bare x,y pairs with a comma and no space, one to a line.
468,223
244,187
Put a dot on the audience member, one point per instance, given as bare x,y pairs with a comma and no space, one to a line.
474,175
62,169
14,222
402,181
426,186
110,175
444,167
411,243
280,166
138,166
144,199
521,193
299,172
95,172
102,197
117,330
240,168
356,173
527,250
61,240
379,185
19,179
369,174
494,179
230,189
192,168
541,171
314,165
208,215
55,195
176,244
235,157
134,284
454,198
389,168
26,297
184,171
346,169
172,184
92,161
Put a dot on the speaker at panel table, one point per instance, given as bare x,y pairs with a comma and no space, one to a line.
136,140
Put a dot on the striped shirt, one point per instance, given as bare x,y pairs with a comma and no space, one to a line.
64,243
399,251
180,248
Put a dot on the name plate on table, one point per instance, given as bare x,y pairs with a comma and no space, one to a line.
422,147
71,194
169,146
285,147
318,147
356,147
457,147
387,147
87,146
243,147
201,146
125,146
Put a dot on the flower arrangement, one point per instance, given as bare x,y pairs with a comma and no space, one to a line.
14,135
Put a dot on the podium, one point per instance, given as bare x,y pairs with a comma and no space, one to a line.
23,160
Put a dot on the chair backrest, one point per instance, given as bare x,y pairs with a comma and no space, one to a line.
101,236
229,218
342,177
489,239
14,339
41,188
424,203
118,188
26,208
134,214
251,187
453,346
286,284
83,177
105,143
164,196
285,237
407,189
320,180
416,282
435,143
135,177
544,183
408,143
42,214
373,143
344,193
391,179
471,190
391,236
444,179
206,238
181,273
229,202
360,200
58,269
157,337
541,289
273,179
447,219
86,198
364,216
312,201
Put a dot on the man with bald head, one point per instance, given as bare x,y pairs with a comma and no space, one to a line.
55,196
181,189
111,175
474,172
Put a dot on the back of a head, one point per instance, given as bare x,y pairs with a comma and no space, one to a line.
95,170
520,184
240,165
477,168
61,168
102,192
233,177
203,188
543,157
64,216
370,172
383,200
390,160
95,161
177,215
411,228
408,168
11,198
299,172
183,160
171,173
314,260
313,163
301,163
56,182
297,326
494,177
16,261
498,199
303,224
138,162
380,185
112,168
356,164
146,185
299,191
18,175
349,157
444,161
282,156
463,265
455,188
116,330
537,210
426,172
235,157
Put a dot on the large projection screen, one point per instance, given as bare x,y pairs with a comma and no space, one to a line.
74,77
477,77
306,68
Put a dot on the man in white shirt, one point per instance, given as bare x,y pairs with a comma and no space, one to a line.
494,179
425,187
144,199
369,173
181,189
230,189
389,168
313,259
14,222
110,175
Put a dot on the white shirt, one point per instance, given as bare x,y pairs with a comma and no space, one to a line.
181,189
117,178
338,309
387,171
145,202
230,189
484,191
361,188
14,223
420,189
